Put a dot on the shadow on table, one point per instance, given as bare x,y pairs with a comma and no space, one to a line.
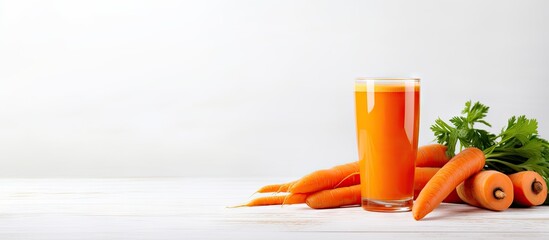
450,211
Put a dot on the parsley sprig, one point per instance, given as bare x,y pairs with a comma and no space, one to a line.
518,147
462,129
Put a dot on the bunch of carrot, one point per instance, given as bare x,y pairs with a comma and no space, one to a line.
487,189
437,179
515,161
490,171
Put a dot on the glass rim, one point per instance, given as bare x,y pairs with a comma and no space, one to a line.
386,79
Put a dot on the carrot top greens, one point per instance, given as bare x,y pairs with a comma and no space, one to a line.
518,147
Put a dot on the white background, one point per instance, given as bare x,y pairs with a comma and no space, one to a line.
245,88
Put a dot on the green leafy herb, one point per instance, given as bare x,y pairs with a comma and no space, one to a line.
517,148
463,129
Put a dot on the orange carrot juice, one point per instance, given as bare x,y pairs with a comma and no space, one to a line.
387,115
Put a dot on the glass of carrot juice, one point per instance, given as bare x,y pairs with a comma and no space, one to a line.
387,118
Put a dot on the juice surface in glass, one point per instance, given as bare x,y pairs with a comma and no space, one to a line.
387,114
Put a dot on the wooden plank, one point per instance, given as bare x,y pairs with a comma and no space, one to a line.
179,208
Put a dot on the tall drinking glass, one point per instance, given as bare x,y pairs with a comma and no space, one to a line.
387,118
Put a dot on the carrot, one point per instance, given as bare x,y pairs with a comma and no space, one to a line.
276,187
489,189
451,198
350,180
432,155
460,167
326,178
423,175
529,188
276,200
332,198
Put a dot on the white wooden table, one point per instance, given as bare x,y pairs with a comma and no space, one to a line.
179,208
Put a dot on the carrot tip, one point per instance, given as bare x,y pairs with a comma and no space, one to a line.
537,187
417,217
499,194
237,206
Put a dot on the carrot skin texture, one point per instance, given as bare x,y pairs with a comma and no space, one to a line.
325,178
423,175
276,187
333,198
349,180
522,187
432,155
451,198
480,190
460,167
